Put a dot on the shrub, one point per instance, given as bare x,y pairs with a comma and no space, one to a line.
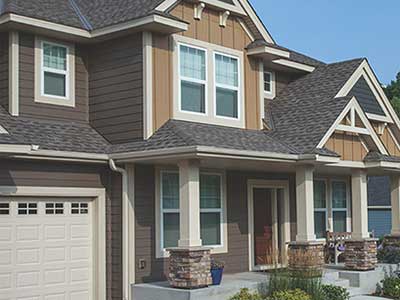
335,292
216,265
389,255
391,287
296,294
245,294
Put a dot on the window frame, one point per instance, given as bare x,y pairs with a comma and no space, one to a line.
324,210
218,249
209,117
269,94
346,210
192,80
227,87
40,96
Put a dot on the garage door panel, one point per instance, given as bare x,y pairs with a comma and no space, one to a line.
46,256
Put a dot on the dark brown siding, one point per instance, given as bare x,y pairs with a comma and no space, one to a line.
29,108
4,70
116,89
26,173
236,260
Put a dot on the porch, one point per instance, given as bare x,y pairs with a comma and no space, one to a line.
357,283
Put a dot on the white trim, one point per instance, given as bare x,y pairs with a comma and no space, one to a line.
209,117
148,84
378,118
236,8
40,97
246,29
269,94
294,65
268,50
365,71
285,232
13,69
262,100
148,20
353,104
159,211
99,265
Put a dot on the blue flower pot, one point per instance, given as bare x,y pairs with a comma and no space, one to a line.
216,275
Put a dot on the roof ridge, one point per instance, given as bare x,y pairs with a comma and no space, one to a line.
85,22
347,61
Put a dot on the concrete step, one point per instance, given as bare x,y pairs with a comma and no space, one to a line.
354,292
331,275
338,282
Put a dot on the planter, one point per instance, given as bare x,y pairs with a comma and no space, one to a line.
216,275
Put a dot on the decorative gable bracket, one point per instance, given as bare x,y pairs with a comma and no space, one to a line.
223,18
198,10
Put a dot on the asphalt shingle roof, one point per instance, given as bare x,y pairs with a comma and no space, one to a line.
306,109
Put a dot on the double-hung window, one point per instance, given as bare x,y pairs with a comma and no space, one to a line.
339,206
211,209
193,79
54,73
320,208
269,84
227,86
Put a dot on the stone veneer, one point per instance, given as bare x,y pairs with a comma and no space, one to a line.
307,258
361,255
189,268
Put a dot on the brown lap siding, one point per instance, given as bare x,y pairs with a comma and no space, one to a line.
236,260
54,174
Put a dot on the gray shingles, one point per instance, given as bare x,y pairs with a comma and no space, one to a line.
306,109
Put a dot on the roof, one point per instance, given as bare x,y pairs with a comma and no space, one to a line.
82,14
307,108
51,135
175,134
294,55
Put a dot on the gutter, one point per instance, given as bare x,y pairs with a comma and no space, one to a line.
125,228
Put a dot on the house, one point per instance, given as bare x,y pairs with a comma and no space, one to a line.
379,205
137,133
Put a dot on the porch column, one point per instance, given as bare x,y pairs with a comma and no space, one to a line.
361,250
306,254
305,204
189,263
395,197
189,203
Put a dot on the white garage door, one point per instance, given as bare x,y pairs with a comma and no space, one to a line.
45,249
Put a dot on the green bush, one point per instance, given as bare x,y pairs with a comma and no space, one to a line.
389,255
296,294
391,287
245,294
335,292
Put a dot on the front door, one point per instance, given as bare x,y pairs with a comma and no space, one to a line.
266,228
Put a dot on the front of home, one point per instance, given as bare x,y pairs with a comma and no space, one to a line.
134,133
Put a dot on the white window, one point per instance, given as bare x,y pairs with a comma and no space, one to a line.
4,208
27,208
320,208
54,73
227,86
54,208
339,206
269,84
211,210
207,83
193,79
79,208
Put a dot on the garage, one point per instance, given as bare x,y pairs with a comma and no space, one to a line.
46,248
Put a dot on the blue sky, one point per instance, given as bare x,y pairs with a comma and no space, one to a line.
334,30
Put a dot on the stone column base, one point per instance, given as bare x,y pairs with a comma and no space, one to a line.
189,268
306,258
361,255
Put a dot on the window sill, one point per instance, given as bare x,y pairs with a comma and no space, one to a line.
55,101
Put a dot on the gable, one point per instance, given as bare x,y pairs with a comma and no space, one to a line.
366,97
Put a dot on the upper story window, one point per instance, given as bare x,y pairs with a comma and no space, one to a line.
54,73
269,85
208,85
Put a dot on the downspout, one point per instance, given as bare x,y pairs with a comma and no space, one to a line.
125,229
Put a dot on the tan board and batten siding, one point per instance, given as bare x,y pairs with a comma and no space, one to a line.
208,30
30,108
58,174
347,145
116,88
4,70
388,141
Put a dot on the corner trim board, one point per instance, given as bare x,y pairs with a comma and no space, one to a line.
13,69
148,84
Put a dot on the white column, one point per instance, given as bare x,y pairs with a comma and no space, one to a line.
305,204
359,198
395,197
189,185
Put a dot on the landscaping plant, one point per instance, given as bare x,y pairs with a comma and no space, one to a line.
245,294
335,292
296,294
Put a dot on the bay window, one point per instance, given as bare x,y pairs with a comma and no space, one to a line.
211,209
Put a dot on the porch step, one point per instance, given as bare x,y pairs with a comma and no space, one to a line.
338,282
356,291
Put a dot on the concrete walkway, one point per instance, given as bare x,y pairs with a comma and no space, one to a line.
366,298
